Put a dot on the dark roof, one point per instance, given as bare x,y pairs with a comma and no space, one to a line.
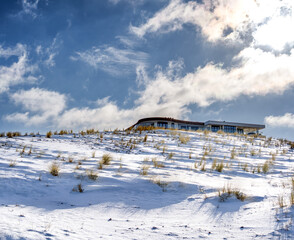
236,124
168,119
218,123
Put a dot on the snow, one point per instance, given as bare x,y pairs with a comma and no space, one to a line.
174,201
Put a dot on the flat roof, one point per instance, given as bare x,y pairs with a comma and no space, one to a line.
235,124
210,122
169,119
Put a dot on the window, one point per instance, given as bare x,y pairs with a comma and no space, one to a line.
162,124
240,131
229,129
147,124
194,128
215,128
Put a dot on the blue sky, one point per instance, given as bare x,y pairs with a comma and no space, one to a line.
104,64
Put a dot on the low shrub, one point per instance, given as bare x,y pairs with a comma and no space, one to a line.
49,134
63,132
9,134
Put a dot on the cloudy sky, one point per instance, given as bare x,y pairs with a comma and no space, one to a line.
105,63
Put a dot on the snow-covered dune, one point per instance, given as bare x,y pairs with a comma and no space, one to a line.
158,185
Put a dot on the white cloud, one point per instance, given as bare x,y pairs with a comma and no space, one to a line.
42,106
276,32
127,41
226,20
113,60
18,72
212,17
47,54
18,50
286,120
29,7
169,93
259,73
133,2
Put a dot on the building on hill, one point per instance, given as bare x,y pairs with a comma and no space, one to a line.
214,126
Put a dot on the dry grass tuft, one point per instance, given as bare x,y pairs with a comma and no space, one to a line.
92,175
144,170
156,163
214,163
49,134
228,192
233,153
78,188
281,202
12,163
170,155
54,169
292,198
220,166
184,139
160,183
265,167
106,159
13,134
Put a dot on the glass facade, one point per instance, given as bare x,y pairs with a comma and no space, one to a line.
215,128
162,124
147,124
229,129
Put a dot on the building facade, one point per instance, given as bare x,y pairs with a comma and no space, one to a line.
214,126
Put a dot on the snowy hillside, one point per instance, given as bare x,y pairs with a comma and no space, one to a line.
154,185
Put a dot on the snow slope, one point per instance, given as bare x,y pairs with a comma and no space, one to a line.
159,188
